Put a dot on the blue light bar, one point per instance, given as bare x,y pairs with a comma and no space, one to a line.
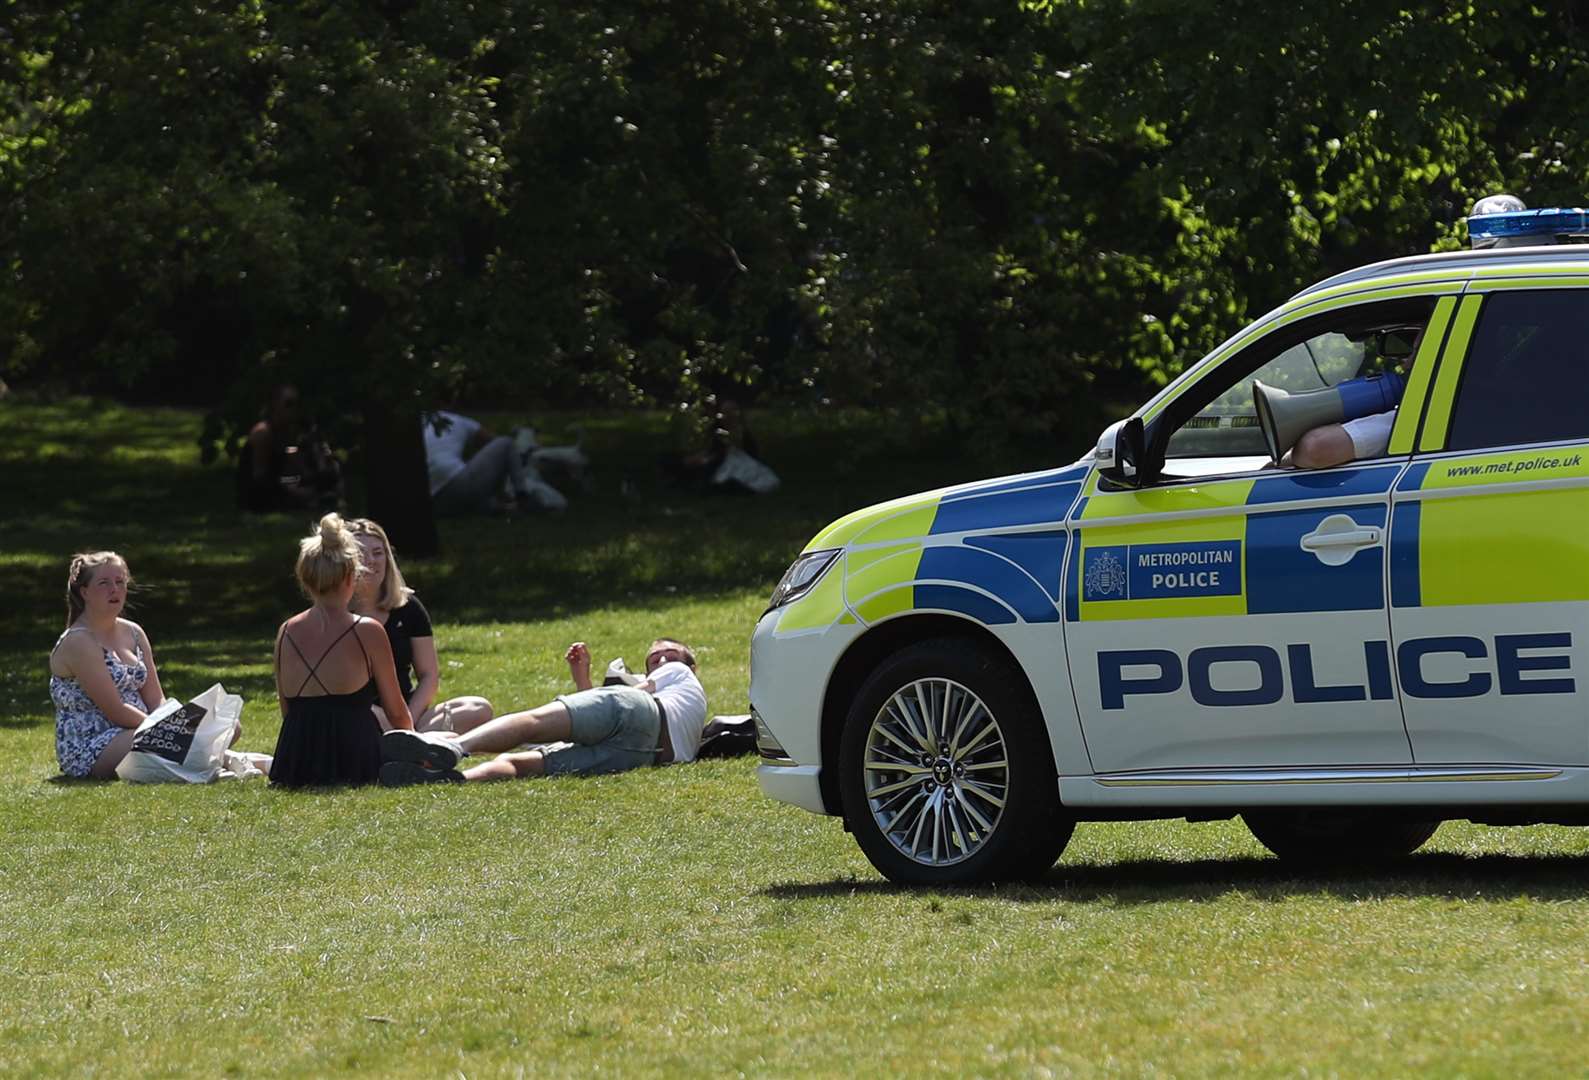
1519,224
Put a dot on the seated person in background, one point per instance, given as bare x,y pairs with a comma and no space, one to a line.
102,671
469,466
615,728
337,665
383,595
281,467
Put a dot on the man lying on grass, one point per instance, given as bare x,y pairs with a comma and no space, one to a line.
614,728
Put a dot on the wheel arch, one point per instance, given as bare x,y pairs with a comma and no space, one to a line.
862,657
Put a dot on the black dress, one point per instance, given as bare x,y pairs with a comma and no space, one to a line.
328,739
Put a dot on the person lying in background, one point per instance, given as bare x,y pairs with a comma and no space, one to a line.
380,593
613,728
731,462
471,469
329,734
103,679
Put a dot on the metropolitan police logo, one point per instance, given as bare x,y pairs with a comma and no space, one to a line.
1162,571
1106,576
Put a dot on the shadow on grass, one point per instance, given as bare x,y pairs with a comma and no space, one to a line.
1446,876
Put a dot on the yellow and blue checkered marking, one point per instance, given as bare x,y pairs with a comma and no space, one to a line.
1215,549
1480,540
992,574
981,551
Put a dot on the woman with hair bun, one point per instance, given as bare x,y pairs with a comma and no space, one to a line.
331,667
384,596
102,672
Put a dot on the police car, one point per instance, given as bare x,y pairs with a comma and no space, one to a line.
1178,626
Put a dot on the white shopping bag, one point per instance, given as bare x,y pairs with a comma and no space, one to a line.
741,470
183,742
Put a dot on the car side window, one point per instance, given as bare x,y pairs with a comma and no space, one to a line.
1323,352
1228,425
1526,377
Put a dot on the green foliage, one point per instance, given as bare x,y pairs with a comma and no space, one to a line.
1027,215
256,194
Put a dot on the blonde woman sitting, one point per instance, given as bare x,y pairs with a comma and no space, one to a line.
382,594
331,667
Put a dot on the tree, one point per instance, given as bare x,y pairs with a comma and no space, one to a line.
263,194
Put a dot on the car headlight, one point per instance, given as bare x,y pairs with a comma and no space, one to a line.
806,571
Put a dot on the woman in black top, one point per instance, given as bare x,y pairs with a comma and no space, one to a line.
383,595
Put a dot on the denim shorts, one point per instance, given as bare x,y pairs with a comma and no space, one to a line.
616,728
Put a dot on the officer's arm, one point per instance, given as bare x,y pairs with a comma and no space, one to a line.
1322,447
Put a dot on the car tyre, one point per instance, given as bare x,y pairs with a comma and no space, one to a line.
1336,836
946,772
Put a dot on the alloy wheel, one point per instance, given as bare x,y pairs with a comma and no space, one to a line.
936,771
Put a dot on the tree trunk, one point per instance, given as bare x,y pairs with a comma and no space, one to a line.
397,480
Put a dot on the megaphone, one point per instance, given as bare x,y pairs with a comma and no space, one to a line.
1284,417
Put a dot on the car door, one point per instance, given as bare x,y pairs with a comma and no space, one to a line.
1489,568
1239,619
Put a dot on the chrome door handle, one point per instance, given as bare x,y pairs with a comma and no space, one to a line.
1356,538
1339,537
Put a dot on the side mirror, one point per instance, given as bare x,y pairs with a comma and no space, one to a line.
1120,451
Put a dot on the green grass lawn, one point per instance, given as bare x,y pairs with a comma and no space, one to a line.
670,921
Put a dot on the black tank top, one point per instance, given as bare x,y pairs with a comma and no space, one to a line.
364,695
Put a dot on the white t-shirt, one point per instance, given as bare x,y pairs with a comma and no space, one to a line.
1370,435
684,703
444,448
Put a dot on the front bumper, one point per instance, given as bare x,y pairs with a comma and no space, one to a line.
789,675
798,785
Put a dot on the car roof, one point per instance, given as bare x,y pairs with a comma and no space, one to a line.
1523,258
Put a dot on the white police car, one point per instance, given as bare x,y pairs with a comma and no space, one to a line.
1175,627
